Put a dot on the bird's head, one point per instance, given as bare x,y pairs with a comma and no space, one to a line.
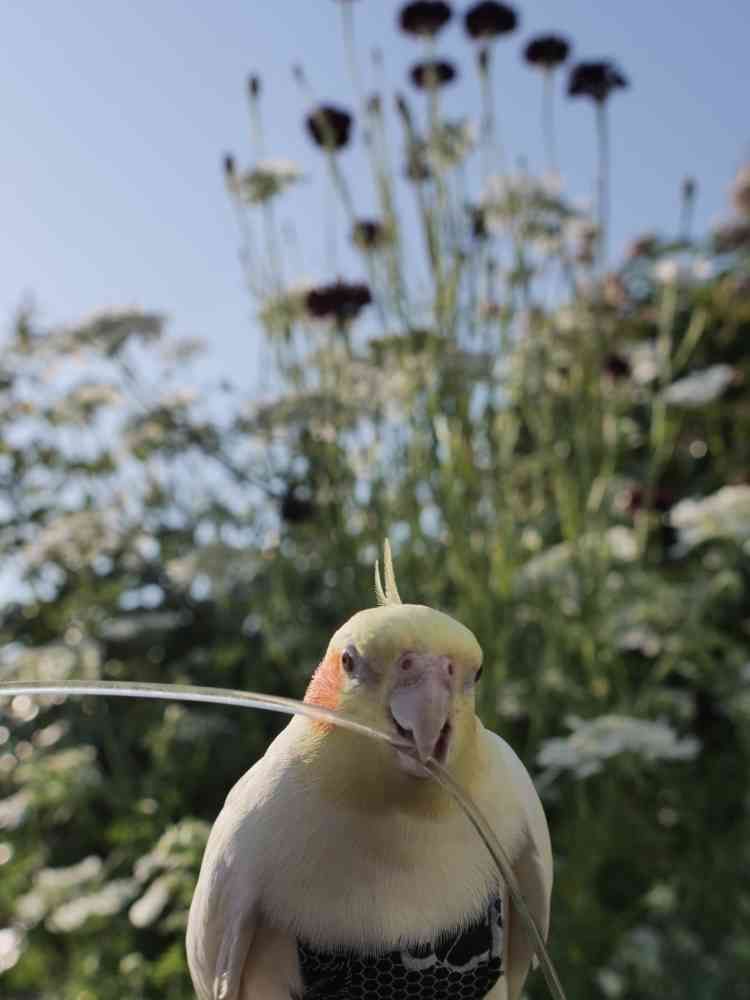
405,669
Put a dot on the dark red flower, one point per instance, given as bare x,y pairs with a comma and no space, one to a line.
330,127
596,80
369,234
659,499
489,19
424,18
616,366
432,73
295,506
547,51
342,301
478,222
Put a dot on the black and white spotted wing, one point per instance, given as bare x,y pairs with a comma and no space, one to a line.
462,965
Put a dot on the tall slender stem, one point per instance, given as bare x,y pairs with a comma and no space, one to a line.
491,145
347,17
602,131
548,119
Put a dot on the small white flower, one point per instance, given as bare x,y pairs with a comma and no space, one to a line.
703,269
645,362
722,515
700,387
667,271
611,983
267,179
74,539
11,945
105,902
594,741
450,143
13,810
109,329
281,311
149,907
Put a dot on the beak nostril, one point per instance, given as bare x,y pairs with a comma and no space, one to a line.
407,663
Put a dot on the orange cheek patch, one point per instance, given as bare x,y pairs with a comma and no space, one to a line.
324,688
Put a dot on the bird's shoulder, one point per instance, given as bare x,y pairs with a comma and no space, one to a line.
506,785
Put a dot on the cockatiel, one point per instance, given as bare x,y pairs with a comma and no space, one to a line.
336,871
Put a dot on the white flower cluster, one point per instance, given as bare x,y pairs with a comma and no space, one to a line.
281,310
676,270
594,741
51,887
126,628
536,209
109,330
11,946
65,898
81,402
54,661
104,902
74,539
14,809
722,515
618,543
224,565
700,387
172,861
450,142
267,179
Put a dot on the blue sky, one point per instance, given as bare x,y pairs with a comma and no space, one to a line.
116,116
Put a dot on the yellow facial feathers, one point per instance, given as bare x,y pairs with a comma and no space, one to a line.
382,633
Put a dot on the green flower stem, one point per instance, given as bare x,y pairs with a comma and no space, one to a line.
602,131
548,119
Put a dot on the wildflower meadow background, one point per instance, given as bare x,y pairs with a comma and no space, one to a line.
555,439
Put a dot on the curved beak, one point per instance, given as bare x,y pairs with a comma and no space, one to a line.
420,705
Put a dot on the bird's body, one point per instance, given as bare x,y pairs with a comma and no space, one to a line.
334,871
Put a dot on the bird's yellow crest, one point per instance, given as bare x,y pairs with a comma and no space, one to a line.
385,631
390,595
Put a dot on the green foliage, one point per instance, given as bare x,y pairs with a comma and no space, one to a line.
559,455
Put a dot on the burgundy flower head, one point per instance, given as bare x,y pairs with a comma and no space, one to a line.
489,19
342,301
432,73
330,127
616,366
596,80
295,507
658,498
547,51
424,18
369,234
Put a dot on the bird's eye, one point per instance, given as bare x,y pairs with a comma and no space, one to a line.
478,674
347,661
